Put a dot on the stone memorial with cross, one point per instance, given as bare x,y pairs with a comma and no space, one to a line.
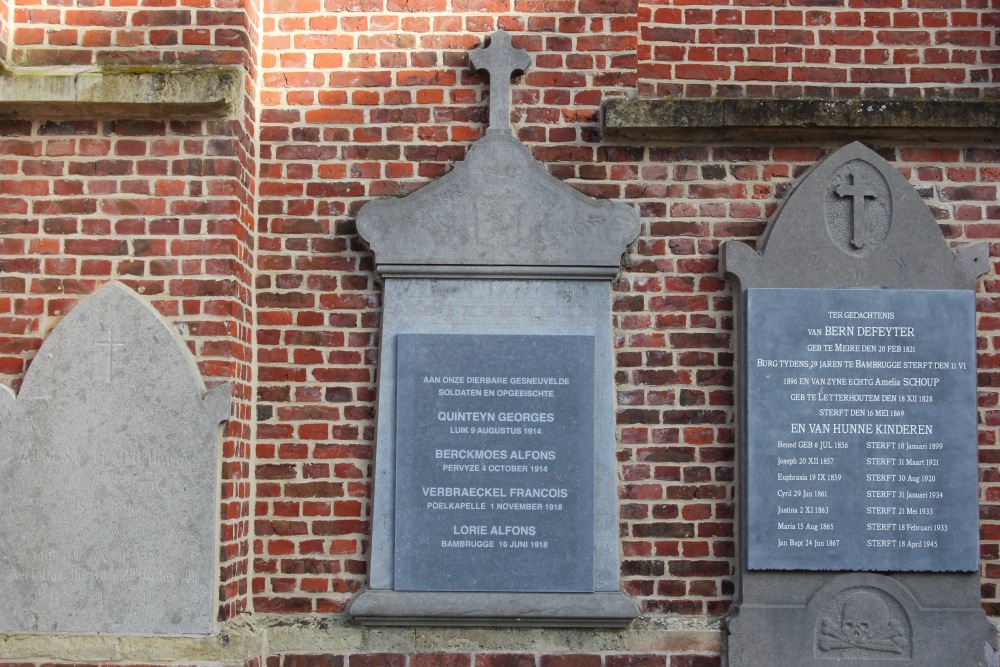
857,449
495,484
110,456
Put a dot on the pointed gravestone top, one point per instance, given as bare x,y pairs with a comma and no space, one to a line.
109,456
854,221
499,213
502,61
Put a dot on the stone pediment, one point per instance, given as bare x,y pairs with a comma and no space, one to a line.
499,208
498,213
854,221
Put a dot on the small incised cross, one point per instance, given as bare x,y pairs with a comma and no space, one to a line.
858,194
112,345
502,61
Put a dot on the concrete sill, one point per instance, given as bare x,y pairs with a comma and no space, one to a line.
43,92
800,119
235,643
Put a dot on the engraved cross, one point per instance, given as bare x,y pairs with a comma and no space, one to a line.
501,60
112,345
857,193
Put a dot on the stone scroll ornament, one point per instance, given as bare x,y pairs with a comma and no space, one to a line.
497,270
854,231
110,466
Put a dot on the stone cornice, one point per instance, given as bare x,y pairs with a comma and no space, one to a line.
782,119
89,92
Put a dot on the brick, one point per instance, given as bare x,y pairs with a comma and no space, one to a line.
671,530
635,661
440,660
572,660
505,660
377,660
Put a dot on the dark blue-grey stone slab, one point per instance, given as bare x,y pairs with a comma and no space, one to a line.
495,434
489,307
861,416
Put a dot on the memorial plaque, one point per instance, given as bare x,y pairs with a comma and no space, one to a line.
857,436
862,430
494,500
496,435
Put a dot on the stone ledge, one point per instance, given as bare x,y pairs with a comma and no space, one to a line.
289,634
89,92
513,272
783,119
240,641
603,609
236,643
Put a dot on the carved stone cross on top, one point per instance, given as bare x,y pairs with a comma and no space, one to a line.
501,60
858,193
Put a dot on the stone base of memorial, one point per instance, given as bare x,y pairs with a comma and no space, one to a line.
858,486
550,610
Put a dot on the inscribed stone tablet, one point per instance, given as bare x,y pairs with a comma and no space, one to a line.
495,463
109,458
861,430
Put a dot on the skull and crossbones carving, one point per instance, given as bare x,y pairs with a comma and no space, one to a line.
865,624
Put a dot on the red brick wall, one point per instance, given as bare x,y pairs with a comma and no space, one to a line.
127,32
164,206
4,30
238,490
819,48
675,357
241,232
361,100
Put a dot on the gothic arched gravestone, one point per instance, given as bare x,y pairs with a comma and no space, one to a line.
110,467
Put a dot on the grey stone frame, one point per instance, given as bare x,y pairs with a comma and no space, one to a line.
414,305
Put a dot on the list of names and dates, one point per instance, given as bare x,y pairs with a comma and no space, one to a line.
861,430
495,463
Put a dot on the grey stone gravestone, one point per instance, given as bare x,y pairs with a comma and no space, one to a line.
858,540
110,466
495,485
